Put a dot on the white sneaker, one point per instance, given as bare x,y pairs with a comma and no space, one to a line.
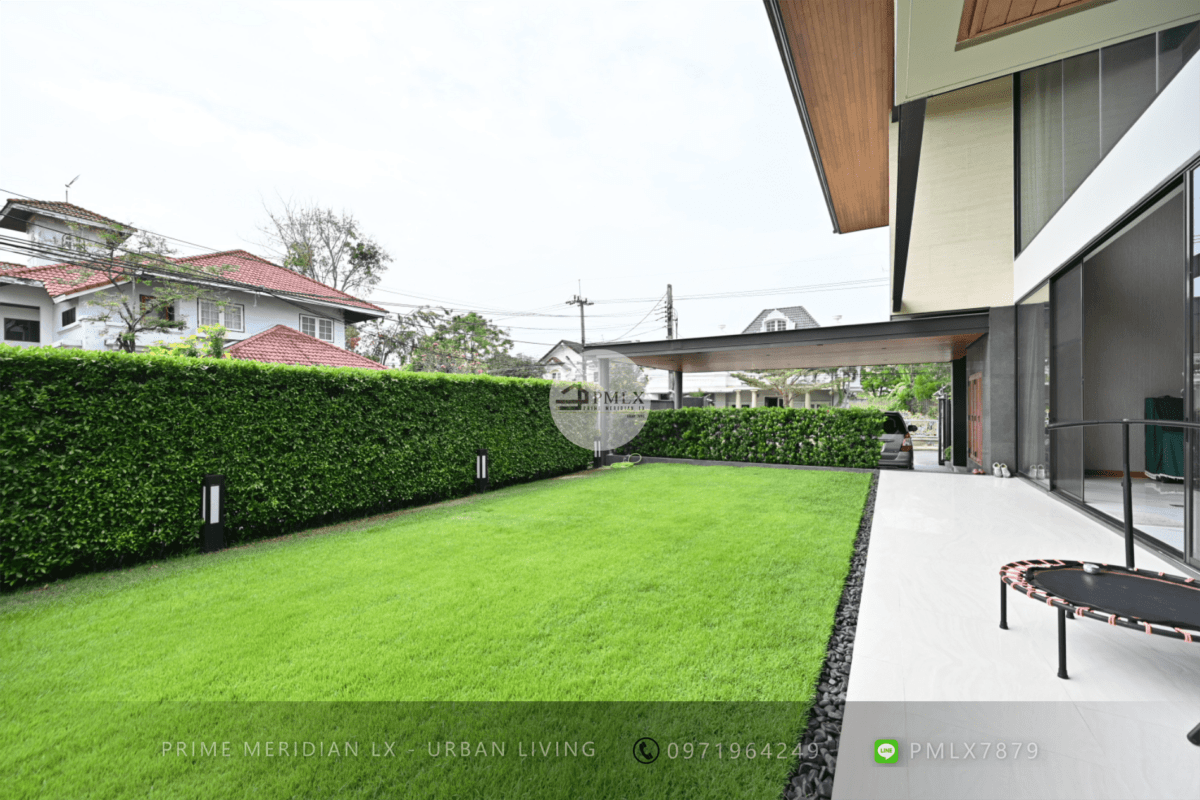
996,469
1004,473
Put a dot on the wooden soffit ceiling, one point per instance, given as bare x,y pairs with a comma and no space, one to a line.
843,58
982,19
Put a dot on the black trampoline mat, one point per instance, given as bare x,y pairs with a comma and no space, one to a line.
1139,597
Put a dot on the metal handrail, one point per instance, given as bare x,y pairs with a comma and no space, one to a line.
1126,484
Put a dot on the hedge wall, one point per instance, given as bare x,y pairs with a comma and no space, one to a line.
102,454
819,437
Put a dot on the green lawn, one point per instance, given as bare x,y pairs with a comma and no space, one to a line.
701,597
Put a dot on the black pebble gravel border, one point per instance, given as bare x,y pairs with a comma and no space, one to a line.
813,775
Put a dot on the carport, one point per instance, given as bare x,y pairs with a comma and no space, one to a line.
978,345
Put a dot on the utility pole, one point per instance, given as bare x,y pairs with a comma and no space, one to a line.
670,314
581,302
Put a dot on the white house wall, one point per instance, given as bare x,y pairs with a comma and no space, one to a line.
260,313
14,300
1160,143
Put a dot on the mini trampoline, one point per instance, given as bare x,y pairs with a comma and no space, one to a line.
1153,603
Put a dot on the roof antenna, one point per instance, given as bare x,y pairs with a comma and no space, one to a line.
67,193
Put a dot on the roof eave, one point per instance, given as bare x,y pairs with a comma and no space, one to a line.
789,68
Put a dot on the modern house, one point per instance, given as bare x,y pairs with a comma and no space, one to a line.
1036,166
50,301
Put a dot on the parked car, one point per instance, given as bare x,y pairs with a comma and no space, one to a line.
897,443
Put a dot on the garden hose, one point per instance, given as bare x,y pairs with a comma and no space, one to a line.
628,462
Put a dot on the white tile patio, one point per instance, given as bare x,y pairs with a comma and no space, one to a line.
932,665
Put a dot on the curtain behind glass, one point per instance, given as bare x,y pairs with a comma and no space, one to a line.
1127,83
1067,379
1081,119
1041,147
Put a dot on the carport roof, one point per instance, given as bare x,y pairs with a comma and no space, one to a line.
910,341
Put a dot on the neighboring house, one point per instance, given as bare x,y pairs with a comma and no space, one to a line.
561,362
1038,169
51,304
781,319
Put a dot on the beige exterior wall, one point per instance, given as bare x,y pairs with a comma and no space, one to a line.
961,251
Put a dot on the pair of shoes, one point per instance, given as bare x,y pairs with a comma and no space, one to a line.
1001,470
977,472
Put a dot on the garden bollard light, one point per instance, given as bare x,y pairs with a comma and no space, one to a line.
481,470
597,456
212,509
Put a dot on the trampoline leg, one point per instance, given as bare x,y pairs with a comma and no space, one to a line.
1194,736
1003,607
1062,643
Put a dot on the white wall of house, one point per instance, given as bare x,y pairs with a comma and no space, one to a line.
27,303
1163,140
260,312
57,233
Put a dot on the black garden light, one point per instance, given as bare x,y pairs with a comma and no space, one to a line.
481,470
212,508
597,455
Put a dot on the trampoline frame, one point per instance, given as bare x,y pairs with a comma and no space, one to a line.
1014,574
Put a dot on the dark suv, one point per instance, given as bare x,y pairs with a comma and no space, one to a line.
897,444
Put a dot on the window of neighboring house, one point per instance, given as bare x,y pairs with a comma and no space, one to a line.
318,327
776,325
22,330
166,312
68,317
772,402
232,316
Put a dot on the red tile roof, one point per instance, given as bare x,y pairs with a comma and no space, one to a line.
66,210
248,270
58,279
284,345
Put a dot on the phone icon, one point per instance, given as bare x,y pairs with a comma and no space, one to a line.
645,750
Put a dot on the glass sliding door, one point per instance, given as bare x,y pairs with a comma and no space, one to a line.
1066,380
1033,386
1192,548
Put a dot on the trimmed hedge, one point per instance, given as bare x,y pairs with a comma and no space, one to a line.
102,454
815,437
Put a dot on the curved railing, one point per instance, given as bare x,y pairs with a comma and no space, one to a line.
1126,484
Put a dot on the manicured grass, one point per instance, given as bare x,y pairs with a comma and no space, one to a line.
711,588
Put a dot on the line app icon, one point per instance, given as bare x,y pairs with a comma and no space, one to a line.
887,751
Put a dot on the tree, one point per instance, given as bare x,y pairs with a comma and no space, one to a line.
839,382
789,383
909,387
209,342
144,285
326,246
392,341
459,343
515,365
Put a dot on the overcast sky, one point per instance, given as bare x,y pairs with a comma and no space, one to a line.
500,151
